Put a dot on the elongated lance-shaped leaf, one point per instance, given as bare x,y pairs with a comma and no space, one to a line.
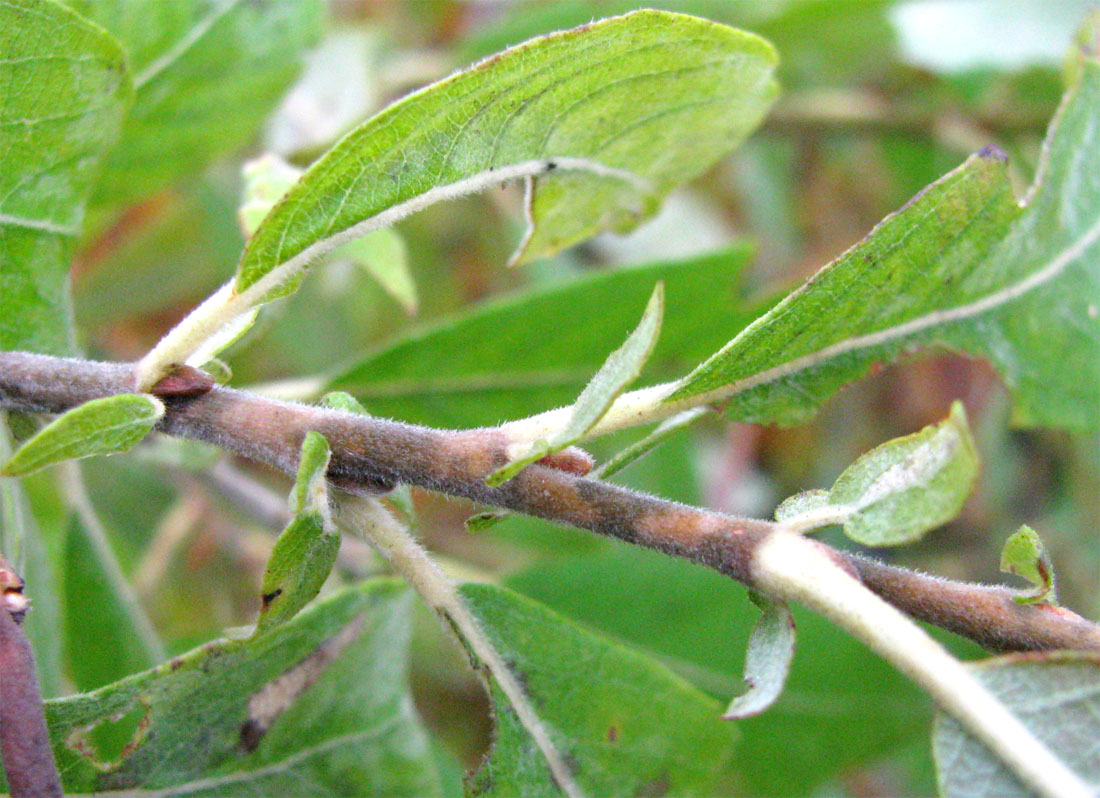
627,724
319,706
206,74
898,491
624,108
306,550
1025,555
620,369
102,426
66,91
961,266
767,660
1055,694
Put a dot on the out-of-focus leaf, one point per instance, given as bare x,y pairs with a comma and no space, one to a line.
836,713
624,93
102,426
342,400
103,641
1025,555
624,723
221,720
206,73
382,253
306,550
501,351
961,266
801,504
620,369
1056,695
908,486
66,91
767,658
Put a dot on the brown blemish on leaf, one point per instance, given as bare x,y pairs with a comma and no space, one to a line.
279,695
612,733
79,739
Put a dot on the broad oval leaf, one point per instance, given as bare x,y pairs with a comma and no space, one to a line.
908,486
1056,695
52,139
317,706
620,369
963,266
649,98
101,426
626,724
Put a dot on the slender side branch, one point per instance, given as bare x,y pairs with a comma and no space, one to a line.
369,452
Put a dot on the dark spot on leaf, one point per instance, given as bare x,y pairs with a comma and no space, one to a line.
270,597
551,166
251,734
612,733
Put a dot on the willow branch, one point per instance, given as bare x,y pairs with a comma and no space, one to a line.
369,454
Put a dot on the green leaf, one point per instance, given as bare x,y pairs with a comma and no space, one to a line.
626,725
501,353
1056,695
342,400
206,75
479,522
317,706
767,659
101,426
962,266
103,639
306,550
908,486
620,369
382,253
639,449
648,98
1025,555
801,505
66,92
841,710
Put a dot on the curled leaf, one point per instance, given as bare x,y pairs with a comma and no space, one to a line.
1025,555
767,660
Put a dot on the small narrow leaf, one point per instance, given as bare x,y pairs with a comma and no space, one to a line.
101,426
620,369
1025,555
767,660
1056,695
902,489
306,550
608,118
639,449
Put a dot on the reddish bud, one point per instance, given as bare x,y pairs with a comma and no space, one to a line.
572,460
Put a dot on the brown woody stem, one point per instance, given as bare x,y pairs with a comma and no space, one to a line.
369,453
